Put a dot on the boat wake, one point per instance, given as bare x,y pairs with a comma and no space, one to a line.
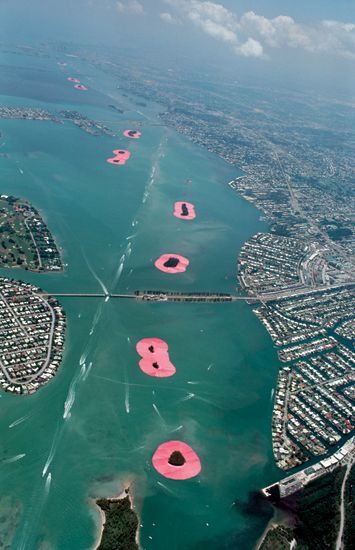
13,459
126,401
158,412
94,274
170,491
187,397
86,374
69,402
154,170
48,483
177,429
123,258
18,421
96,319
52,450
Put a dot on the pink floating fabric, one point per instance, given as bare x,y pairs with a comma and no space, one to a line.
155,358
184,210
133,134
172,263
156,345
158,366
72,79
80,87
121,157
190,468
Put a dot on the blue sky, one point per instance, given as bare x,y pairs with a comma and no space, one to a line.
309,36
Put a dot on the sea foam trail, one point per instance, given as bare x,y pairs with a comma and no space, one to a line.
150,181
18,421
126,254
13,459
154,171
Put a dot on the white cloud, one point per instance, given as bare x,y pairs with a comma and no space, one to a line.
253,35
213,19
132,7
169,18
250,48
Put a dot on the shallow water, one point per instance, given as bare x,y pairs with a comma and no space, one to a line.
101,419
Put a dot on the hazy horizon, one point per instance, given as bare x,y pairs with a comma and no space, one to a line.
276,42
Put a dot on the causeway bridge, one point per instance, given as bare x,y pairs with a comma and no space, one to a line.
156,296
194,296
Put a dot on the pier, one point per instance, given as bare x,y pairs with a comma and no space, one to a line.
295,482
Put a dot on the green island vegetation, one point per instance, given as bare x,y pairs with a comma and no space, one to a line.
278,538
349,527
317,512
120,528
25,240
176,459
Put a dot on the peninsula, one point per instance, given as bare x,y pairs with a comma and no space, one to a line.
120,527
32,327
25,240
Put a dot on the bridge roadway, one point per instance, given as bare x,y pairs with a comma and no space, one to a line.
167,297
170,296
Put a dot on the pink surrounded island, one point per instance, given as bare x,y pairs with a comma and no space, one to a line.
121,157
158,366
148,346
80,87
176,460
184,210
133,134
155,358
72,79
172,263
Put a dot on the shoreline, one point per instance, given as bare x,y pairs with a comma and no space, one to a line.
280,518
126,492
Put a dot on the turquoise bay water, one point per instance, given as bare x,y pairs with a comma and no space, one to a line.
112,223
